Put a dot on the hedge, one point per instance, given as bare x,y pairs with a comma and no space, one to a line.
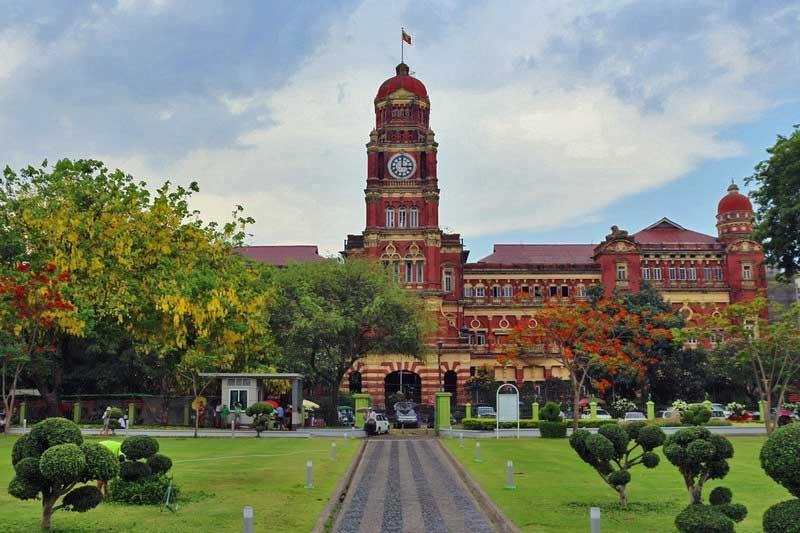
489,424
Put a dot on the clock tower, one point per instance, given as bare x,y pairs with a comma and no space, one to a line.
402,194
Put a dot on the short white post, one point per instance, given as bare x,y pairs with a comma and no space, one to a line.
345,435
247,526
233,427
309,474
477,452
510,475
594,516
333,451
461,440
24,423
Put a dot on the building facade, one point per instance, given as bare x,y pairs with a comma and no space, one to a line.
477,305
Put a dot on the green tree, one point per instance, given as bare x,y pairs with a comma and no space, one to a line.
778,197
329,314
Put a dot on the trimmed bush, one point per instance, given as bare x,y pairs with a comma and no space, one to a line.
782,517
780,457
159,464
260,412
53,431
24,447
82,499
552,430
695,415
62,464
551,412
699,518
139,447
100,462
21,490
134,471
149,491
114,416
28,472
720,496
697,453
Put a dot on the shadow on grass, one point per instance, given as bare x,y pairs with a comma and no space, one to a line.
616,512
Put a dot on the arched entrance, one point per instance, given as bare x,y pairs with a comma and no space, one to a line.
451,385
403,380
355,382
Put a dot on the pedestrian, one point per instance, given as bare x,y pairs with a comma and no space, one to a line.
218,415
371,423
106,420
116,449
279,417
288,418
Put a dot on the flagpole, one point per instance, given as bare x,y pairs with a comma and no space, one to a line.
402,42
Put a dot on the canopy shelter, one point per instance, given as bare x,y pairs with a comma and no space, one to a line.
245,389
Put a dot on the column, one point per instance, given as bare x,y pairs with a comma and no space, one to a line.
297,403
651,410
360,401
442,413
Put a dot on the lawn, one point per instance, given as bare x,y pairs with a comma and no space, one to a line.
218,478
555,488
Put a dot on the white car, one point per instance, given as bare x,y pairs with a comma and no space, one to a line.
381,424
602,414
632,416
719,407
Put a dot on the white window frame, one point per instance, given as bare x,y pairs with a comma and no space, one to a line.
468,292
413,221
420,271
692,272
497,291
447,281
747,272
718,274
508,291
401,217
681,273
581,291
673,273
480,292
480,338
622,272
238,390
657,273
646,273
390,217
707,273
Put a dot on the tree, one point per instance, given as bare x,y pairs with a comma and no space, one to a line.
261,411
329,314
614,445
481,385
781,462
778,199
51,460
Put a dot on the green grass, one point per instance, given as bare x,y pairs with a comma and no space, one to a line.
218,477
555,488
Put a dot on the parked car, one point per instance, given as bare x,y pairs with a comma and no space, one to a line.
632,416
719,407
485,411
602,414
668,414
405,415
381,424
718,414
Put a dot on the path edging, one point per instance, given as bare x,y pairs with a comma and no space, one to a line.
337,498
495,514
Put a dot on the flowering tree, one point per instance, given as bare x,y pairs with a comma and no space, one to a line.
33,311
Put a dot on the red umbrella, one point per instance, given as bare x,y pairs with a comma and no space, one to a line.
584,402
273,403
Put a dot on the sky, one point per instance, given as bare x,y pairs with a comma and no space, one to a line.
555,120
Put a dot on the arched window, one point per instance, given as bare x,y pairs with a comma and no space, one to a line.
401,217
413,218
389,217
355,382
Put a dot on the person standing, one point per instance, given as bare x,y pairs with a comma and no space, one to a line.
106,420
116,449
279,417
288,418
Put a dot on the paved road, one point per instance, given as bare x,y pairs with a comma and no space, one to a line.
409,486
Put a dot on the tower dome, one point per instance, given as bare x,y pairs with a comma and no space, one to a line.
403,80
734,216
734,201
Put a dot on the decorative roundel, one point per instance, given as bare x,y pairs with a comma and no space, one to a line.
402,166
533,324
503,323
475,323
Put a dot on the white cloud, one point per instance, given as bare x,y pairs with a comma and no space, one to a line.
16,50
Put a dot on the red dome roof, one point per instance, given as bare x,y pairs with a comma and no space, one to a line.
734,201
402,81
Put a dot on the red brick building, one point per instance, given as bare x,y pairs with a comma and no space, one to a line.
478,304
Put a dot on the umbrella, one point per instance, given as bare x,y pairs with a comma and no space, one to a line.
273,403
363,409
308,404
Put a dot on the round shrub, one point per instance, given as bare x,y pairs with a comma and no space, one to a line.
551,412
133,470
62,463
782,517
650,437
552,430
780,457
259,408
114,416
149,491
619,477
21,490
139,447
54,431
699,451
675,454
100,462
28,472
578,443
718,469
699,518
159,464
696,415
24,447
617,436
633,429
600,447
650,459
723,449
720,496
735,511
82,499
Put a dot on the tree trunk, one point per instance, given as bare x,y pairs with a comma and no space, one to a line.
47,510
53,404
623,497
769,423
335,402
576,400
695,494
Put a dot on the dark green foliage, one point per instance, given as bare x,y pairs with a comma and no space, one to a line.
780,457
159,464
699,451
28,472
650,459
552,430
53,431
62,464
551,412
82,499
139,447
489,424
617,436
149,491
649,437
133,470
619,478
261,412
735,511
21,490
720,496
783,517
696,415
600,448
699,518
100,462
699,456
114,416
24,447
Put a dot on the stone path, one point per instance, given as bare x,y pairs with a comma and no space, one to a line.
408,485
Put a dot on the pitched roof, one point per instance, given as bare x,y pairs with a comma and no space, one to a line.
666,231
541,254
281,255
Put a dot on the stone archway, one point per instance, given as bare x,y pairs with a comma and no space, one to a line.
451,385
410,383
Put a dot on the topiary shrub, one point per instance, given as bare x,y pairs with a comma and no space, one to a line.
552,430
695,415
100,462
551,412
148,491
114,416
134,470
159,464
261,411
139,447
699,518
50,460
783,517
612,452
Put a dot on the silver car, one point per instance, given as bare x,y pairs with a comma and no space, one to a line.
634,416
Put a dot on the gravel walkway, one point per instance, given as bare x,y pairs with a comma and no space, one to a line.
407,485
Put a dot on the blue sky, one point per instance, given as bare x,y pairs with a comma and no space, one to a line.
555,119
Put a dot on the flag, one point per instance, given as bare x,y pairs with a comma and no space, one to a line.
406,37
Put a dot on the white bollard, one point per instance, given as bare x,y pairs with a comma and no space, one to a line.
345,435
309,474
510,475
333,451
233,427
24,423
460,440
247,526
477,452
594,517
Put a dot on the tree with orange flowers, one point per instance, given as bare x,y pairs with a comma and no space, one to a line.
589,340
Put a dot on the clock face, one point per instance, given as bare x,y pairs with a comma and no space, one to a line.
402,166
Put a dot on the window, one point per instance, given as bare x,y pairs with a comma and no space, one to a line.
480,292
553,291
673,273
581,291
508,291
657,273
389,217
565,291
645,272
420,272
480,338
707,273
682,273
496,291
238,396
467,291
409,271
413,218
401,217
718,273
747,272
537,291
447,281
692,271
622,271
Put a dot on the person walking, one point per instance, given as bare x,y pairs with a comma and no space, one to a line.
279,417
106,420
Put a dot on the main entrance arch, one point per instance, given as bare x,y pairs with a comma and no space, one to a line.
403,380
